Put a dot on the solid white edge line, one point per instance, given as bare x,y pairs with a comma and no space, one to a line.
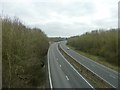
96,62
49,72
76,71
88,68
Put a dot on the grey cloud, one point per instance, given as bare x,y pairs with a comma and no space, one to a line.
65,30
71,9
37,13
106,23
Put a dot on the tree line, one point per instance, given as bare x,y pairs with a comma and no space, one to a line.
24,53
56,39
103,43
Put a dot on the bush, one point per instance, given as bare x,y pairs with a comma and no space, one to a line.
99,42
23,54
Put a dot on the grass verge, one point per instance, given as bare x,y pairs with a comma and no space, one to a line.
91,77
97,59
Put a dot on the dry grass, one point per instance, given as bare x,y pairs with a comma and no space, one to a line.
97,59
101,43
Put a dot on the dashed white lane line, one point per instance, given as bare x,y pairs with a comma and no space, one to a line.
67,78
112,76
93,65
75,70
60,65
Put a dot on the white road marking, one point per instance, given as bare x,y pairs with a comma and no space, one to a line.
76,71
93,65
49,73
112,76
88,68
95,62
60,65
67,77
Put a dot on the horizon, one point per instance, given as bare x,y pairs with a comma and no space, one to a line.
63,18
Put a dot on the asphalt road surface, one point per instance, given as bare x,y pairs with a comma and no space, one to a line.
110,76
61,73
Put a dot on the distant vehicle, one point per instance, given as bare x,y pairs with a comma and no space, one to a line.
68,48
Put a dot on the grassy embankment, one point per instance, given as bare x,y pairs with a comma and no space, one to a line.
24,53
95,81
100,46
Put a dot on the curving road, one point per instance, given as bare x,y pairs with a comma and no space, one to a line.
61,73
103,72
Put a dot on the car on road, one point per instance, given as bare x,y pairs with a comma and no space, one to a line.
68,48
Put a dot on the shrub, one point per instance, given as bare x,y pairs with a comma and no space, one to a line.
23,54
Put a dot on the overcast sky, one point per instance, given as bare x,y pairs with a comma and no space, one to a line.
64,17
